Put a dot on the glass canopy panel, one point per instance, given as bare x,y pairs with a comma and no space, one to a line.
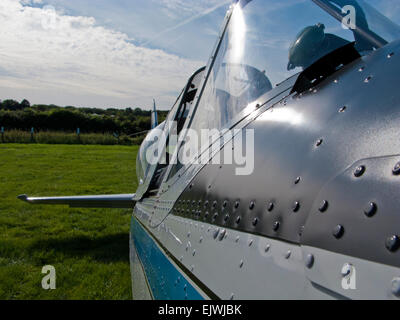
268,41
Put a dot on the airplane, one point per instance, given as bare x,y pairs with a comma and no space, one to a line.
294,191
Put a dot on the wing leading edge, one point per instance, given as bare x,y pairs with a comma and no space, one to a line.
121,201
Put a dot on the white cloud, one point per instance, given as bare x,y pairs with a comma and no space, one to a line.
74,61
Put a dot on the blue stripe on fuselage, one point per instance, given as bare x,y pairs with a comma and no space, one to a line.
165,280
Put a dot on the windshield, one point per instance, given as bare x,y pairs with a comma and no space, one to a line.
268,41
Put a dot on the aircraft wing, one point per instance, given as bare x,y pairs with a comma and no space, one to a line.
121,201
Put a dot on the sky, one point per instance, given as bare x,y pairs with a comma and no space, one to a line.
104,53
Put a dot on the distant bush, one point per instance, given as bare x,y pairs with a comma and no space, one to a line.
51,137
22,116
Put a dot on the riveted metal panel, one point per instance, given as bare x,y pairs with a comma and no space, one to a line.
304,145
369,280
301,143
367,207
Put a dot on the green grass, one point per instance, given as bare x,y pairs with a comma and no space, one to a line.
88,247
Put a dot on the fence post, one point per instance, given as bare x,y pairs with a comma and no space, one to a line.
2,134
78,133
116,135
32,134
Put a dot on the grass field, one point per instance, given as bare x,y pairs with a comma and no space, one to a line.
88,247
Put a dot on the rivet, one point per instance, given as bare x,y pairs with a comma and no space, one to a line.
324,206
238,219
390,55
371,209
336,81
319,142
301,231
232,297
216,233
241,264
288,254
194,253
214,204
359,171
361,69
237,239
188,235
393,243
368,79
206,204
201,240
296,206
222,235
342,109
338,232
206,215
297,181
309,261
237,203
255,221
267,248
251,243
225,204
226,218
252,205
271,207
396,287
396,169
276,226
215,216
191,186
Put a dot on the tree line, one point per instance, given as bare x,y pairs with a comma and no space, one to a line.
23,116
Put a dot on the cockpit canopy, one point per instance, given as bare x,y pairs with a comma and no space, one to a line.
269,41
265,48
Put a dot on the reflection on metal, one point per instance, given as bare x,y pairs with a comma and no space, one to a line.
107,201
290,116
237,36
